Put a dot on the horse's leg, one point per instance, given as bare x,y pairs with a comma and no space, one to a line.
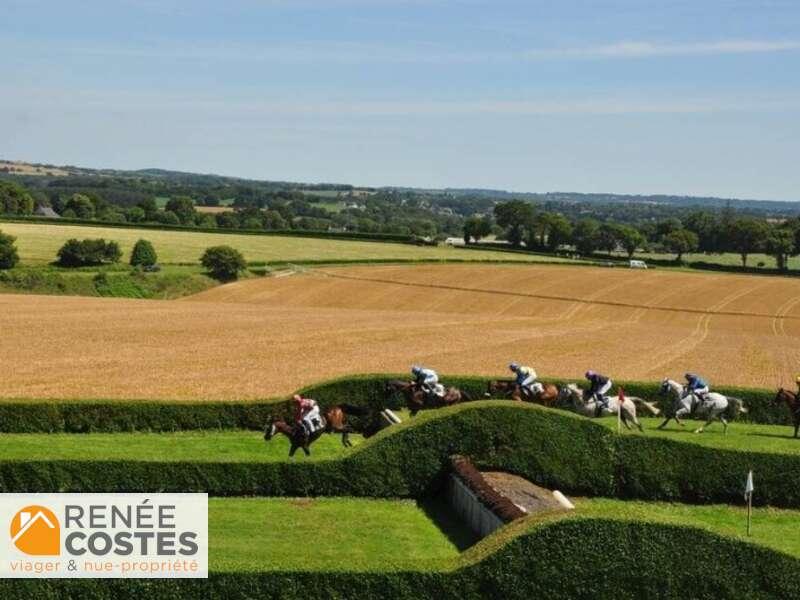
636,422
708,422
292,450
796,427
724,424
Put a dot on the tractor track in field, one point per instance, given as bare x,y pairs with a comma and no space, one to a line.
788,355
700,332
712,311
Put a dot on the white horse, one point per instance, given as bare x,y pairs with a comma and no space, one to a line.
715,406
588,406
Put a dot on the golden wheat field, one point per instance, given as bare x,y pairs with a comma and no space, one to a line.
262,337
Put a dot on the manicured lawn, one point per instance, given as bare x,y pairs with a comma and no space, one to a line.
358,534
772,527
311,534
740,436
202,446
38,243
249,446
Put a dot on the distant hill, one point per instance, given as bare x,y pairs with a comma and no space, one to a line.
25,169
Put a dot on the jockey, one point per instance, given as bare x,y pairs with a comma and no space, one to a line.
427,379
599,385
306,413
526,377
696,385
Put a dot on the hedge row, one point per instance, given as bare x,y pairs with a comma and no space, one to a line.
368,389
21,416
554,449
568,558
351,235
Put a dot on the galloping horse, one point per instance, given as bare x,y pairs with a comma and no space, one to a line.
715,406
588,406
417,399
792,401
546,393
333,421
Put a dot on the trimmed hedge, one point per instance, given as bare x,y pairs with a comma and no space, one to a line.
551,448
368,389
25,416
354,235
573,557
406,460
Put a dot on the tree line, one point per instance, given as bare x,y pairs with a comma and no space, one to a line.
522,224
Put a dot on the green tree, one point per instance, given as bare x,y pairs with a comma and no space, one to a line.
629,239
274,220
559,233
84,253
516,216
780,244
584,236
150,208
680,242
143,254
476,228
81,205
708,230
168,217
183,207
136,214
14,199
747,235
223,262
8,251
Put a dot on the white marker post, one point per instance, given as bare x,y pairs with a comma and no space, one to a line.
748,494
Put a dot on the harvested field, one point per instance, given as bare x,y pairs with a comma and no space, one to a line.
262,337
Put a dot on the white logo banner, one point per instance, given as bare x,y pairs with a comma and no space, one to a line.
152,536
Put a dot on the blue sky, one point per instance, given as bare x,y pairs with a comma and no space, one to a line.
627,96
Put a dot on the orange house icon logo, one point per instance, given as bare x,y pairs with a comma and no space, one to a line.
35,531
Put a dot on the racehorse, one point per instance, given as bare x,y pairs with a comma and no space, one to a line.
333,421
543,393
417,398
716,406
587,406
791,400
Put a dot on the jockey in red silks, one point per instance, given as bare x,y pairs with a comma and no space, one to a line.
306,413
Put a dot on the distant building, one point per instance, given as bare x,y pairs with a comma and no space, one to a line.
47,212
454,241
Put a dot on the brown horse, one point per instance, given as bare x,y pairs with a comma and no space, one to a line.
510,389
417,398
333,421
791,400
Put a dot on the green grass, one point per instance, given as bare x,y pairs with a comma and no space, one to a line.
38,243
319,534
117,281
775,439
248,446
194,446
269,534
772,527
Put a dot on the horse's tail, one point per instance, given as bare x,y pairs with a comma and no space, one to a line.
649,407
735,406
355,410
465,396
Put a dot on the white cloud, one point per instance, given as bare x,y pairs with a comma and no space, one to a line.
651,49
